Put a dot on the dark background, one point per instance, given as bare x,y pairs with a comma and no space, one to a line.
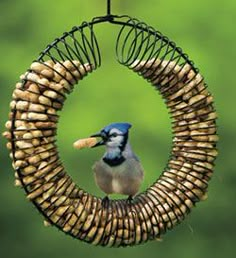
205,29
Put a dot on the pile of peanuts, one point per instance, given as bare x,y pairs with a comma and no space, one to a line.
31,134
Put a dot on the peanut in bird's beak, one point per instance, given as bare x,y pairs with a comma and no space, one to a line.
103,140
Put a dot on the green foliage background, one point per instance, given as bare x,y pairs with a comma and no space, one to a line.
205,29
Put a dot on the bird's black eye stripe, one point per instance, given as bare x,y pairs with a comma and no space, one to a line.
115,134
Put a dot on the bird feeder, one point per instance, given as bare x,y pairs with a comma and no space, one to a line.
32,129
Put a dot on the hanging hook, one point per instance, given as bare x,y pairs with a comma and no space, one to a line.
108,7
108,17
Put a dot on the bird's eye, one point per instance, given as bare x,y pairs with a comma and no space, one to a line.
114,134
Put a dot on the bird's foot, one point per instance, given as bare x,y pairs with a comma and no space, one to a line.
105,201
129,199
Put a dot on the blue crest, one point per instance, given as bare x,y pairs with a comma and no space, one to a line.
123,127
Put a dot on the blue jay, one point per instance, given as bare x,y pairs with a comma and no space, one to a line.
119,170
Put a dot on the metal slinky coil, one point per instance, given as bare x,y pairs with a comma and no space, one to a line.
33,122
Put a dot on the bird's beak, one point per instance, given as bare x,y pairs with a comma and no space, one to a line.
103,140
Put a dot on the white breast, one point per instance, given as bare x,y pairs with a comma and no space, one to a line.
116,186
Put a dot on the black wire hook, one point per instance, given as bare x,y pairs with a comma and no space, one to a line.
108,7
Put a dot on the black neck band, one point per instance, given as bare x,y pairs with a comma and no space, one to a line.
114,162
